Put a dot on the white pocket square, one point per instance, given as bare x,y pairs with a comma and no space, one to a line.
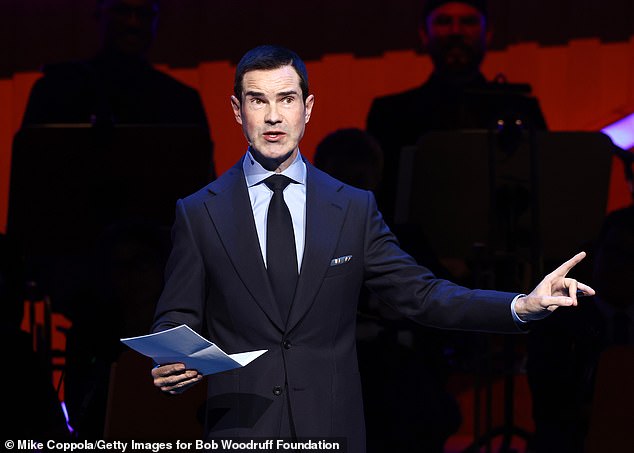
340,260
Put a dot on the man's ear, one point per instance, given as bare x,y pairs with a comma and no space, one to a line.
308,107
235,105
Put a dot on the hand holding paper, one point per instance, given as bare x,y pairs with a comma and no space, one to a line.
182,345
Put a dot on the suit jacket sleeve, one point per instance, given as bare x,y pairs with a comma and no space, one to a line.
415,292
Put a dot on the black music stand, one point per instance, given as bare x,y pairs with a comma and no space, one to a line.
68,180
444,186
536,195
71,181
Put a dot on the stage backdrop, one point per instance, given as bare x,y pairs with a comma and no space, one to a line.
578,57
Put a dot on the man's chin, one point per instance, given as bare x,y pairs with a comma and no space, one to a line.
270,160
459,70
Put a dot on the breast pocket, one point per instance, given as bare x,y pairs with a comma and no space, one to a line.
340,265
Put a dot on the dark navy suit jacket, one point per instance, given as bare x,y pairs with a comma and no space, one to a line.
216,282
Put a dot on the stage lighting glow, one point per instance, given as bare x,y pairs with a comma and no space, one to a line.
65,411
621,132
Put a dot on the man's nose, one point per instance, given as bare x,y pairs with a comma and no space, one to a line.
273,115
456,27
133,19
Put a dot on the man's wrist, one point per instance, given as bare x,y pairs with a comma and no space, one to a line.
516,317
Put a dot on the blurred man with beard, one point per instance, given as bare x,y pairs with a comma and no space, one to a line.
456,95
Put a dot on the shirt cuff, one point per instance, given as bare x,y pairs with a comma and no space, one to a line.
516,318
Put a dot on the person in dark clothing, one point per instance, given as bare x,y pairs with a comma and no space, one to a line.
112,90
455,96
352,156
106,277
118,85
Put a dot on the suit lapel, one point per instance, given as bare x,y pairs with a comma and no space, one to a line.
325,213
230,211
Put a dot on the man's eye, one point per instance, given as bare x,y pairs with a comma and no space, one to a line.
288,100
443,20
256,101
470,20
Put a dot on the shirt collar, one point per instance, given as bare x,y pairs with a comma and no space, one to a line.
256,173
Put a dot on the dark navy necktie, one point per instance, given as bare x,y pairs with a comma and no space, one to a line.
281,256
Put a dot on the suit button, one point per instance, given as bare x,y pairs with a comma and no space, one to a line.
277,390
286,344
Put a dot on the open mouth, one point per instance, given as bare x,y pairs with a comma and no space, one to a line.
273,136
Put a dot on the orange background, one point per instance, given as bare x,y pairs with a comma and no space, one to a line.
581,86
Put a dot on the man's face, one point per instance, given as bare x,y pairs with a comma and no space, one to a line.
273,115
456,37
128,26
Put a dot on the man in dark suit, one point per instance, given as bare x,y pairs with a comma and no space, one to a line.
221,277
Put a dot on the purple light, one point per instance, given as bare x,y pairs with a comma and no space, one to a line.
621,132
65,411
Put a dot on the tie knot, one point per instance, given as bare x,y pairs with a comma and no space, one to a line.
277,182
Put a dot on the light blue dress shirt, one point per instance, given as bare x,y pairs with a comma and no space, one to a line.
294,196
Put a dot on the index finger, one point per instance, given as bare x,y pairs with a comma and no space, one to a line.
562,270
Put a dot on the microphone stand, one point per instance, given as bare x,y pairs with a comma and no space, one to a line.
507,137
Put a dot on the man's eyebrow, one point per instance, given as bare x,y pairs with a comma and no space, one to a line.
287,93
280,94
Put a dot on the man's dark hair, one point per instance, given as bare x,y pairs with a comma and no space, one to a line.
101,2
350,144
351,155
430,5
266,58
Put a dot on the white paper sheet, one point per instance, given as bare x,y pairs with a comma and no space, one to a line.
182,344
